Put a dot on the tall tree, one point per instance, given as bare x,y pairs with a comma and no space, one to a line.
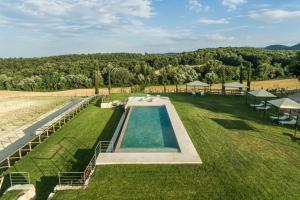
249,76
97,81
109,69
241,74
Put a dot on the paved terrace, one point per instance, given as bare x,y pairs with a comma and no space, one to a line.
187,154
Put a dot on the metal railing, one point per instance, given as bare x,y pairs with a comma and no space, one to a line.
19,178
104,147
71,178
82,178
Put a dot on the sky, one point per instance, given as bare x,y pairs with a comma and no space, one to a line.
34,28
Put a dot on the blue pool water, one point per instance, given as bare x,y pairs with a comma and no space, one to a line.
149,129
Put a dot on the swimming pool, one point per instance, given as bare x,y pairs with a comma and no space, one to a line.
148,128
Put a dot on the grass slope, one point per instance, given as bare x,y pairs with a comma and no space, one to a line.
244,156
69,149
11,195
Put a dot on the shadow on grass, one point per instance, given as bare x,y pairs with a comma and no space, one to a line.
228,104
292,137
233,124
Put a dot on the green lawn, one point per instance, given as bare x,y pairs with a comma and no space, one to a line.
11,195
69,149
244,155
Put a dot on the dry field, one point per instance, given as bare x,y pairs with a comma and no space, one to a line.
66,93
270,84
16,112
19,108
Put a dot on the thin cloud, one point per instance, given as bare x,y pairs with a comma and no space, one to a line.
197,6
217,37
70,16
232,4
213,21
275,16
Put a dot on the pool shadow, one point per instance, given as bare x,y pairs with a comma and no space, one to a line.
233,124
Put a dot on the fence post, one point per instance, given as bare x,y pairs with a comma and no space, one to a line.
59,178
10,179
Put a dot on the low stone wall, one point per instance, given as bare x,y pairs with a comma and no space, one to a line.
28,194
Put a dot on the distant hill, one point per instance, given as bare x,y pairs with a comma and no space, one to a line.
284,47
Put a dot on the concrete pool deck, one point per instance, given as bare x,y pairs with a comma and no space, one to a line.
187,154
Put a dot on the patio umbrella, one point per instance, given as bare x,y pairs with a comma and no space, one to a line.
295,97
235,85
197,84
286,103
261,94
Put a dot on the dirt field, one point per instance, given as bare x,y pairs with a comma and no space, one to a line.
66,93
15,112
270,84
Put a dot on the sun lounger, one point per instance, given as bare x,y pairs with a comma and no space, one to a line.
263,108
291,122
282,118
261,104
201,93
258,105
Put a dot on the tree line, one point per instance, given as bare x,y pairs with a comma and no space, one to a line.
211,65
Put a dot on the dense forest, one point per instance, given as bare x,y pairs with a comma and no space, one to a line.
124,69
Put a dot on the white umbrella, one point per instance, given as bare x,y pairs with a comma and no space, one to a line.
285,103
235,85
197,83
295,97
262,93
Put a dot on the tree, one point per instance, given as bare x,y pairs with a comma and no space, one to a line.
241,74
249,76
120,76
97,80
78,71
5,82
221,71
294,68
163,77
211,78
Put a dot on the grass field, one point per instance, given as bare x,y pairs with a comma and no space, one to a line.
69,149
244,155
